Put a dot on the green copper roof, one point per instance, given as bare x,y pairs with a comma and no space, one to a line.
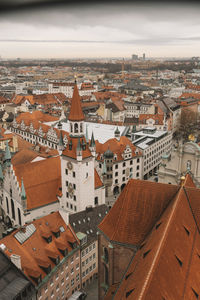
104,171
92,142
1,172
86,135
61,143
78,148
7,155
117,131
23,193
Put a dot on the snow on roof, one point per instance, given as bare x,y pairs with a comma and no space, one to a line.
102,132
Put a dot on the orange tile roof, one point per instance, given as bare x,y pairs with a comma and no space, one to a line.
117,147
156,117
190,95
35,252
76,113
41,187
72,152
130,221
35,116
97,180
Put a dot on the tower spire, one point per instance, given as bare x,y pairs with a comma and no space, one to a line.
76,113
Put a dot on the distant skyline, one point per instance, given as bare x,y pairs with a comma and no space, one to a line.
97,31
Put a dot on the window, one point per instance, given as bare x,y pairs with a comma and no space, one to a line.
124,164
138,167
56,276
123,179
116,166
86,261
94,255
77,277
93,245
67,276
83,263
137,174
74,186
66,171
72,259
52,294
57,287
62,281
72,270
74,174
90,248
94,265
77,266
74,197
66,183
96,201
131,162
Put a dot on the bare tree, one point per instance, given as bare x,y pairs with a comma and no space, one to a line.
188,124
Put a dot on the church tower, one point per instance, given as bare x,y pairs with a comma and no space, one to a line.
77,163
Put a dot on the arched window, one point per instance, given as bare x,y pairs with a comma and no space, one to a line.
76,128
13,209
81,127
7,205
71,127
19,217
95,200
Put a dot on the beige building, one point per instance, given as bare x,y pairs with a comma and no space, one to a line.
185,158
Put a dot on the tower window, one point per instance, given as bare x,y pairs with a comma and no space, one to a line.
76,128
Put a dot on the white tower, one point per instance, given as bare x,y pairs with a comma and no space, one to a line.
77,163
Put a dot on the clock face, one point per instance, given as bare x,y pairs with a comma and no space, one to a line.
69,165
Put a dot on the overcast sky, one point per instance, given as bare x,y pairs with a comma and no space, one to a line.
111,30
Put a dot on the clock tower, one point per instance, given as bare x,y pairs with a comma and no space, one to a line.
77,163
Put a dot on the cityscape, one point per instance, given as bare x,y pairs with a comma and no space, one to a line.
99,151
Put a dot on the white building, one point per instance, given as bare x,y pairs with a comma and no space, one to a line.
184,158
152,143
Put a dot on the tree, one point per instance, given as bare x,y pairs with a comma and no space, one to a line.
188,125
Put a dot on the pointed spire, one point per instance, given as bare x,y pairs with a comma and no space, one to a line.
76,113
86,135
7,155
1,172
92,141
61,143
104,171
23,192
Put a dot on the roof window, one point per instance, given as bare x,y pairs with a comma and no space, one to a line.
142,245
128,275
195,293
158,225
145,253
129,292
179,261
186,230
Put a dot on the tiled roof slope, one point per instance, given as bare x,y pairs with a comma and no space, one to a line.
137,209
72,152
97,180
76,113
41,187
167,265
36,116
117,147
36,252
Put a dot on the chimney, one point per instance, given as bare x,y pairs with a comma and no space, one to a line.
16,259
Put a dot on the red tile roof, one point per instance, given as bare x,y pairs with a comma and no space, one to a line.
117,147
41,187
36,116
76,113
72,152
130,221
97,180
35,252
